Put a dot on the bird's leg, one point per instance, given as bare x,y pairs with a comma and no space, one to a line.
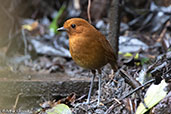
91,86
99,87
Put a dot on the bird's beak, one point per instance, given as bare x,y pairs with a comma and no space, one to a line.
61,29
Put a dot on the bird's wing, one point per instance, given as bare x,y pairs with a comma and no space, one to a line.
109,53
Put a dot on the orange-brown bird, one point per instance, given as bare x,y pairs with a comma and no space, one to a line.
89,48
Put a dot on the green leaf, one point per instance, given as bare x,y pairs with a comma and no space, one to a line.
144,60
136,56
59,109
128,55
154,94
53,26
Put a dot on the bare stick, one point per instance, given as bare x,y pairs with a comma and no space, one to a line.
16,101
88,11
133,91
138,88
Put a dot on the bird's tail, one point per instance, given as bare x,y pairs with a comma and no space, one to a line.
114,66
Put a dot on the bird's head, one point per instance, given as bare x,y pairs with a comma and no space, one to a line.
76,26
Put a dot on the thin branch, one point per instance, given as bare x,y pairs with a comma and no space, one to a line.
88,11
138,88
16,101
133,83
133,91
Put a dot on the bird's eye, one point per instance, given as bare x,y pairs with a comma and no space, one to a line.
73,25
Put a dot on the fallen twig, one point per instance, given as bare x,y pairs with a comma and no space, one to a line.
16,101
133,83
133,91
129,79
138,88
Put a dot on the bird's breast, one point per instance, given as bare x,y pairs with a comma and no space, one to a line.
87,53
